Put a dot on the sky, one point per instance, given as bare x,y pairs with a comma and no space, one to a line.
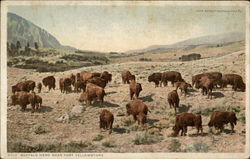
122,28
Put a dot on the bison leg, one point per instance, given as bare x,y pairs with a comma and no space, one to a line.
232,127
135,118
131,95
172,82
110,127
137,94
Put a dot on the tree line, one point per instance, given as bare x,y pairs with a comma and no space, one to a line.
16,49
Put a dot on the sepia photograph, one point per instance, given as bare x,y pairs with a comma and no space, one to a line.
124,79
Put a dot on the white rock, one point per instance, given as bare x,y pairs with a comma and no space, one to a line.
77,109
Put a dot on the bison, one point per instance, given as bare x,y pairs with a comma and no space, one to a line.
49,81
23,99
183,86
183,120
80,85
106,120
39,87
65,85
107,76
235,80
127,77
170,76
135,107
135,89
26,86
30,85
216,76
173,99
39,101
156,78
92,92
206,84
219,118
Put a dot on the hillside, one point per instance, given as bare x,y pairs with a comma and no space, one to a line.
25,31
42,132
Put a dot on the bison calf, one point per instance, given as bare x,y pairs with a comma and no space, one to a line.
106,120
183,86
127,76
183,120
219,118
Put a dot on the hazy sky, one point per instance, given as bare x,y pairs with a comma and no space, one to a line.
122,28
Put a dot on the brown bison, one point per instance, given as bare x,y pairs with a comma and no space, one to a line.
92,92
106,120
173,99
39,101
219,118
98,81
39,87
23,99
135,89
183,86
107,76
156,78
65,85
216,76
206,84
183,120
26,86
127,77
49,81
170,76
79,85
135,107
235,80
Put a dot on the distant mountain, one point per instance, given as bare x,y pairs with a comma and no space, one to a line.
204,40
20,29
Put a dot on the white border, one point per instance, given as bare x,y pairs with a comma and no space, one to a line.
4,6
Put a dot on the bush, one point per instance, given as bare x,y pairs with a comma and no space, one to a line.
128,122
146,139
207,111
98,137
174,146
200,147
39,129
145,59
108,144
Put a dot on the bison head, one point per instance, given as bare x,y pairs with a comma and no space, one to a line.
150,78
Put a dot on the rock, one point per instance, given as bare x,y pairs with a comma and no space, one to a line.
77,109
64,118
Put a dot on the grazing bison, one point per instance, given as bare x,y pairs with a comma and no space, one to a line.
107,76
235,80
23,99
49,81
135,89
206,84
173,99
219,118
183,120
92,92
39,87
79,85
65,85
183,86
106,120
98,81
39,101
135,107
127,76
26,86
170,76
156,78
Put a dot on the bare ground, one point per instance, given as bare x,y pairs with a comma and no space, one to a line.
85,126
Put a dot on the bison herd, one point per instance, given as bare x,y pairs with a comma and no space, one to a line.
92,87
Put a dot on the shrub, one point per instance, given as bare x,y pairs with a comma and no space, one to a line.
200,147
39,129
98,137
128,122
174,146
146,139
108,144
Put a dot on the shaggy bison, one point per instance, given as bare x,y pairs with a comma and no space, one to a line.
106,120
219,118
170,76
183,120
39,87
173,99
156,78
65,85
216,76
26,86
92,92
135,107
183,86
135,89
49,81
127,77
206,84
235,80
23,99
